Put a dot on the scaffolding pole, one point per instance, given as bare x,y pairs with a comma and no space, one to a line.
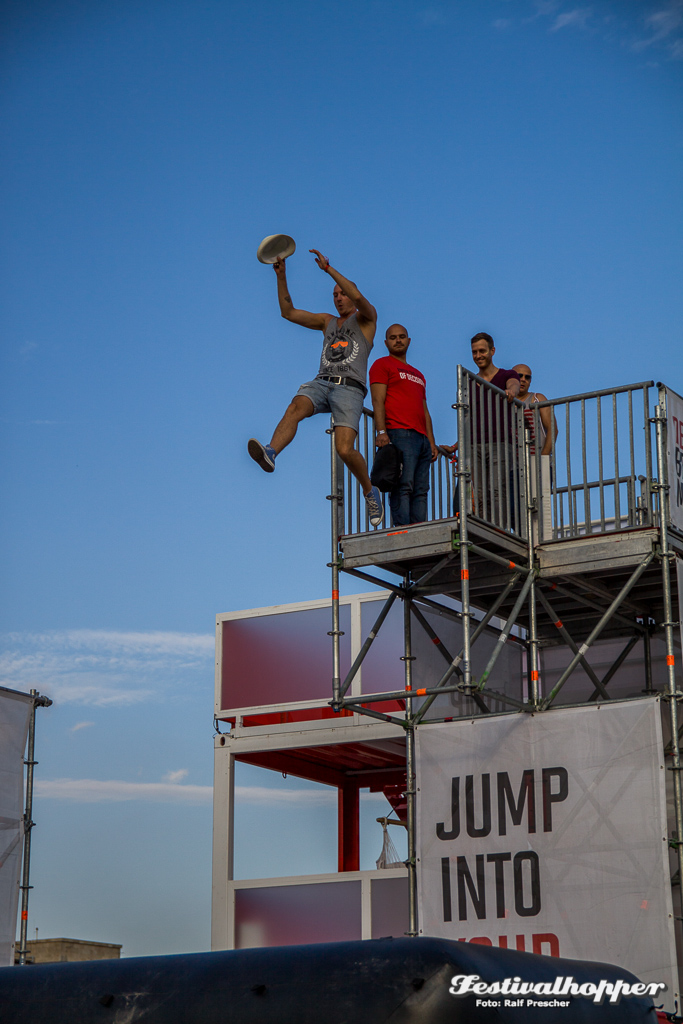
672,694
566,636
531,507
614,668
335,499
503,636
595,633
386,608
411,783
463,474
445,653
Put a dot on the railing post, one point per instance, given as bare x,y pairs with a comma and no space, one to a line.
464,456
532,506
336,500
411,782
672,694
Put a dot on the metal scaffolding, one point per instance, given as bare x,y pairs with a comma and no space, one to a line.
552,552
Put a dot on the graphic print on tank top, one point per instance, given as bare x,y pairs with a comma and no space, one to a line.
341,348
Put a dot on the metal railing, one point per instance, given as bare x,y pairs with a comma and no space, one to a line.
602,463
493,455
597,478
353,516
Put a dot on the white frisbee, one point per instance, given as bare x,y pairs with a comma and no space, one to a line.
274,247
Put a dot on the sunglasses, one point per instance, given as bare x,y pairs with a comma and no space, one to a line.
524,376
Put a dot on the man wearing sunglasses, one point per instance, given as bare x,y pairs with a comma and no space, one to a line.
339,387
540,427
530,398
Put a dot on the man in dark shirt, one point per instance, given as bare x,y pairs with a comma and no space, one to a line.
483,351
492,435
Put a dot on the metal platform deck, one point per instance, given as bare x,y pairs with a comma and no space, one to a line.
581,576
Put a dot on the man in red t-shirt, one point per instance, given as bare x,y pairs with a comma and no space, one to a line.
401,418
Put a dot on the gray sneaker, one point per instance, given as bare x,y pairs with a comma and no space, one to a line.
262,453
373,503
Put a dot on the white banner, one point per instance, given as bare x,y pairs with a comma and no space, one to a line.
674,453
548,833
15,711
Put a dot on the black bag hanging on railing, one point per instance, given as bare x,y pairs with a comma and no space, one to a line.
387,467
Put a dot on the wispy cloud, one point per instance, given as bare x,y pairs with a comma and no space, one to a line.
432,16
311,797
653,25
273,797
80,725
108,790
663,27
30,423
170,791
502,23
106,667
545,8
578,17
27,349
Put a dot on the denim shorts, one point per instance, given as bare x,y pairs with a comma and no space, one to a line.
343,401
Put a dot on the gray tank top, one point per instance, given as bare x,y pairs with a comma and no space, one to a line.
345,350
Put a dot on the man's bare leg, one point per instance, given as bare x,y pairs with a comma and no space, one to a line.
344,438
300,408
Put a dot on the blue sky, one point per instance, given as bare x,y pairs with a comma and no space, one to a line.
502,165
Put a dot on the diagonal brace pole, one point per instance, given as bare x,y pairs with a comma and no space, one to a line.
617,665
441,564
386,608
582,599
502,638
436,640
564,633
443,650
597,630
506,699
384,584
375,714
451,613
498,559
455,664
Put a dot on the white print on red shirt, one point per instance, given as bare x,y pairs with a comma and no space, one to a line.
410,376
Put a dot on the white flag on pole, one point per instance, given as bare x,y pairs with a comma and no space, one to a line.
15,712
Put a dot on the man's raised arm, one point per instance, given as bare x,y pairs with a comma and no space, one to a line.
366,310
316,321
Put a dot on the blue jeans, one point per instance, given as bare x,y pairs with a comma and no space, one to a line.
408,501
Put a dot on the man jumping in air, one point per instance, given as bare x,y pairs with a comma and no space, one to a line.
339,387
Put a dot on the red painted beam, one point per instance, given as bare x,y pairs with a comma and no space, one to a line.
348,826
